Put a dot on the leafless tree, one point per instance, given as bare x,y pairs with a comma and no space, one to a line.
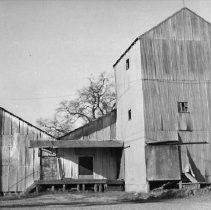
56,126
93,101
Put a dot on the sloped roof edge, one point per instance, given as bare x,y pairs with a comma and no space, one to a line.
166,19
86,124
26,122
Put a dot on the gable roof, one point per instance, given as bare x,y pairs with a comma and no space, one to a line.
19,118
158,25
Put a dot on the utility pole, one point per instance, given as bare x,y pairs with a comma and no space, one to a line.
183,1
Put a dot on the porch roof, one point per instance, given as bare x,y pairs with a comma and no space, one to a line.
76,144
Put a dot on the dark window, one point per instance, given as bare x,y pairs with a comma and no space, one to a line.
86,165
127,64
129,114
182,106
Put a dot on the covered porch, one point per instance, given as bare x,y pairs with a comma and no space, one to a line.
80,165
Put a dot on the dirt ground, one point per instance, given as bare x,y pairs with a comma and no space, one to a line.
164,200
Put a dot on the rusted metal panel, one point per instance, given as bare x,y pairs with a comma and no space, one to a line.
162,162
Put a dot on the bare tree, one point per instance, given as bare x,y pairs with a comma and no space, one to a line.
56,126
93,101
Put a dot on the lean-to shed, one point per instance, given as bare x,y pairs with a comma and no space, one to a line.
19,164
163,83
89,152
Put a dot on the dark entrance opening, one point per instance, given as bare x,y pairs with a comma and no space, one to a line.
86,165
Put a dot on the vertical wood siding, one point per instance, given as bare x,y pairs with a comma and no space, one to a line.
105,162
103,128
176,67
19,165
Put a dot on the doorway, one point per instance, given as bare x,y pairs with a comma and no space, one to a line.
85,164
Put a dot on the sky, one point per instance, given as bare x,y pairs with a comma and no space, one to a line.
49,48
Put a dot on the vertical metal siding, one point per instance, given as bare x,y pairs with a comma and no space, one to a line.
176,62
19,165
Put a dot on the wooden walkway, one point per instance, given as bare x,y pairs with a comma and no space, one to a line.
97,185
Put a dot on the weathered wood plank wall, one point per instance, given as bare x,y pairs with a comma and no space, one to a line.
131,131
49,165
105,162
19,165
176,64
161,160
103,128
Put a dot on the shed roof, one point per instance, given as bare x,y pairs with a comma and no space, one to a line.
147,32
76,144
88,128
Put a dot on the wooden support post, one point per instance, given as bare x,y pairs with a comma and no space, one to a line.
100,187
180,184
105,187
52,188
83,187
78,187
37,189
63,188
95,187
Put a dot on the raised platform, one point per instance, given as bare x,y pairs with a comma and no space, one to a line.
97,185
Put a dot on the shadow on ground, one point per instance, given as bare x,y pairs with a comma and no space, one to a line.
90,199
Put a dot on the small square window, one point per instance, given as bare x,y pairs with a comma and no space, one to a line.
129,114
127,64
182,107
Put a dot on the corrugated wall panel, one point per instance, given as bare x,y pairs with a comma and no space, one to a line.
176,62
19,164
162,163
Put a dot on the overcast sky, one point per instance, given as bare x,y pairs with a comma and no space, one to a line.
49,48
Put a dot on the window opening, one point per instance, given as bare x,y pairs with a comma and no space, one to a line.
182,107
129,114
127,64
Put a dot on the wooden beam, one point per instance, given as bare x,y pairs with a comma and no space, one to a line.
78,181
177,143
76,144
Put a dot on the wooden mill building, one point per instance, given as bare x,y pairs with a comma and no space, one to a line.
163,83
160,131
